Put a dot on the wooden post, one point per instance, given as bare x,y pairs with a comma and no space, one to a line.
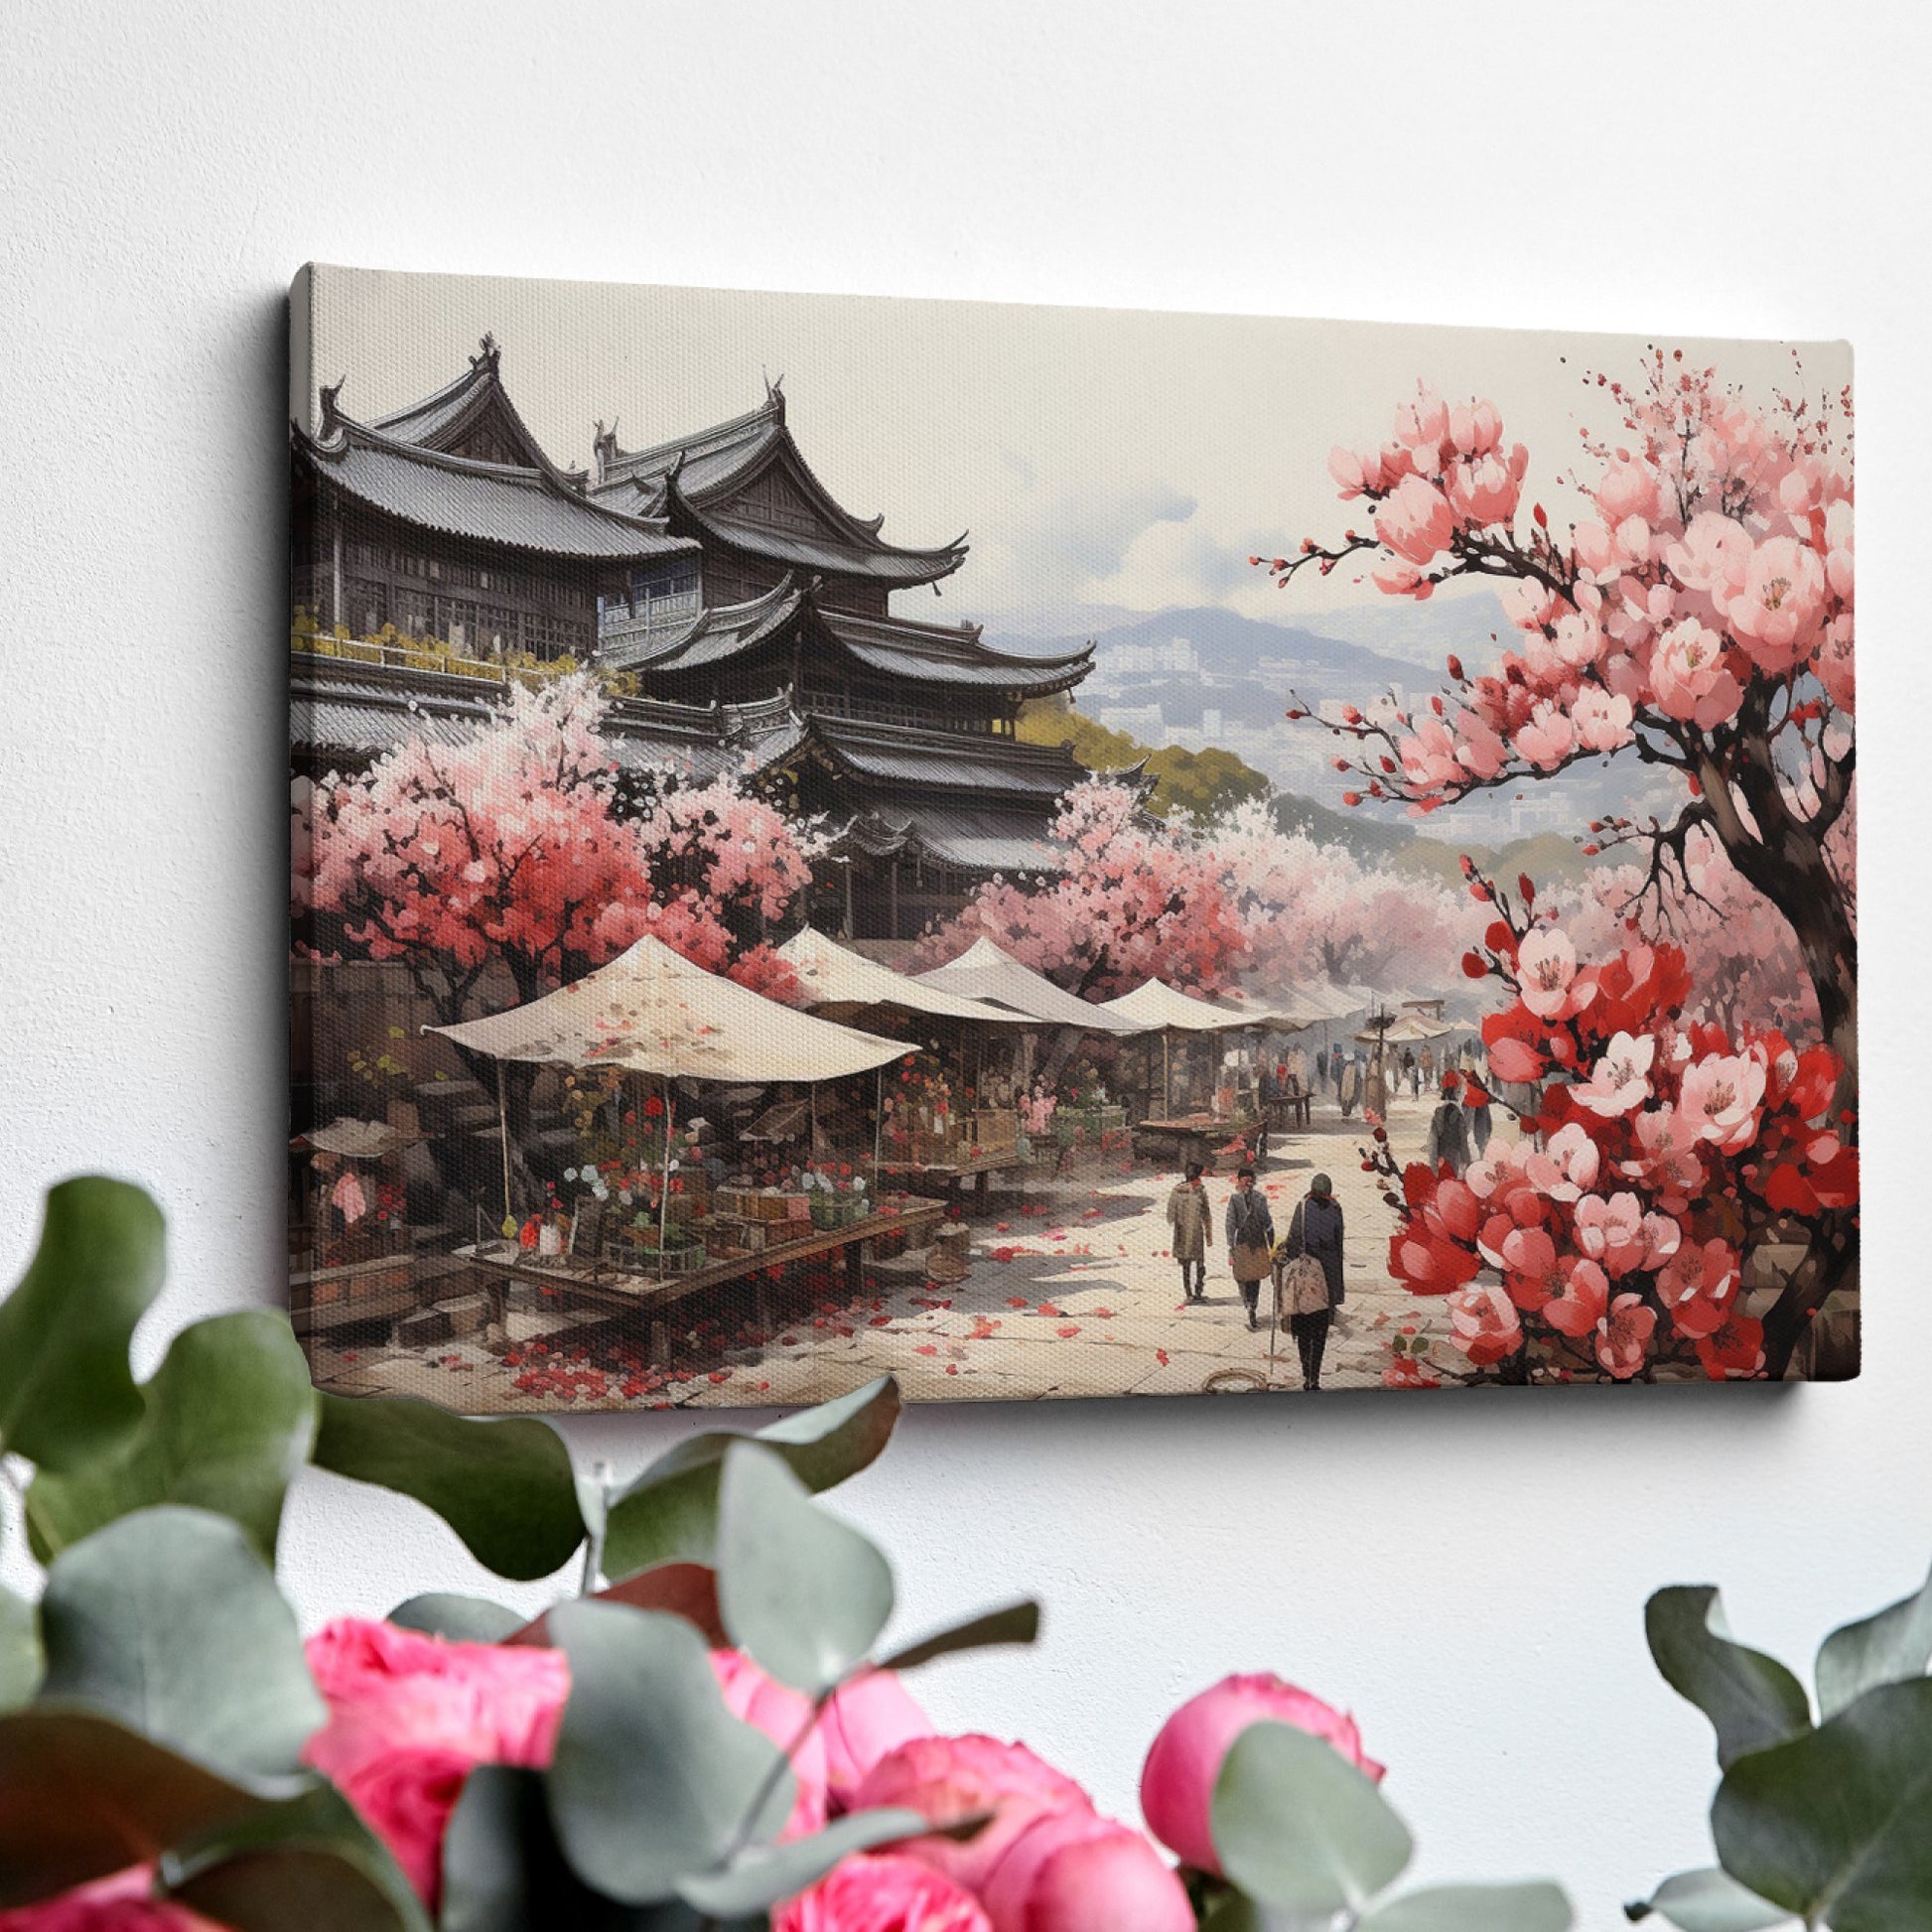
504,1133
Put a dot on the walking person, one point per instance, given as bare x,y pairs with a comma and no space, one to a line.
1349,1084
1193,1220
1314,1230
1251,1240
1480,1122
1448,1131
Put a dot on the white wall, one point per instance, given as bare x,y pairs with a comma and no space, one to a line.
1467,1573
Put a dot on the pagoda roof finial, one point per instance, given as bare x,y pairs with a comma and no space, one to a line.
491,355
331,415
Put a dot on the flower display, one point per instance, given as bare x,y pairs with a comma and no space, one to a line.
1178,1780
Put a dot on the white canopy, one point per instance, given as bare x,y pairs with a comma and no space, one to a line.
652,1011
984,972
1154,1002
835,976
1408,1029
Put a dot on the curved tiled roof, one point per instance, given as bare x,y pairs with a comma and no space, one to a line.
703,473
953,655
527,509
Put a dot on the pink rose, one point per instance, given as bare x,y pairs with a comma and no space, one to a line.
1072,1871
882,1892
782,1714
948,1779
122,1903
862,1721
409,1715
1178,1780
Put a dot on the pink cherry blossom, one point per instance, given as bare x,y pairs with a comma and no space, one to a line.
1777,609
1623,1337
1483,1322
1546,963
1579,1306
1567,1167
1415,520
1549,737
1603,721
1719,1098
1621,1079
1698,1286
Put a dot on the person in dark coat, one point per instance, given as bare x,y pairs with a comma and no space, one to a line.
1251,1240
1480,1122
1315,1229
1448,1131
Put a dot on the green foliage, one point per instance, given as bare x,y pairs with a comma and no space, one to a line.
168,1622
1830,1825
227,1424
669,1514
653,1779
1196,784
67,1394
802,1596
1751,1700
506,1488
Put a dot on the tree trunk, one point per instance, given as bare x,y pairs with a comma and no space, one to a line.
1831,1262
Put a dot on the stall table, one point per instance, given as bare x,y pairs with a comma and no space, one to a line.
619,1293
1192,1137
975,1163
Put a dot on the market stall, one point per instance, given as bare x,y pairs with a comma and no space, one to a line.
652,1013
1231,1116
984,972
927,1133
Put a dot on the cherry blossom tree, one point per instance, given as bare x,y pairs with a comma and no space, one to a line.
1315,912
514,849
1614,1231
1700,616
1136,899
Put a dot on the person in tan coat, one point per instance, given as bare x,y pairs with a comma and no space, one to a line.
1193,1221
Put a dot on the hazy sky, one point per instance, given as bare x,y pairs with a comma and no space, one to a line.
1098,456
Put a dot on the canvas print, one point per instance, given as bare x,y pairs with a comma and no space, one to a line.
1059,853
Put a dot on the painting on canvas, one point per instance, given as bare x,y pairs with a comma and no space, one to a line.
1061,853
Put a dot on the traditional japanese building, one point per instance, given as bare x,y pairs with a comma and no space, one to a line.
448,521
743,603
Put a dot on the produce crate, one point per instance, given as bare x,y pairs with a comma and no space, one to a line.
837,1210
684,1259
994,1130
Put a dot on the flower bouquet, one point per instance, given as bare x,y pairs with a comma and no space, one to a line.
712,1733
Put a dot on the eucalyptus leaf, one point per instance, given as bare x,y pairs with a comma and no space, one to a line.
762,1875
1014,1624
1532,1905
669,1513
66,1393
169,1622
308,1862
1298,1828
1708,1901
20,1649
507,1488
1234,1912
226,1424
1751,1700
81,1796
1836,1826
1888,1648
462,1619
504,1872
653,1779
686,1590
802,1593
